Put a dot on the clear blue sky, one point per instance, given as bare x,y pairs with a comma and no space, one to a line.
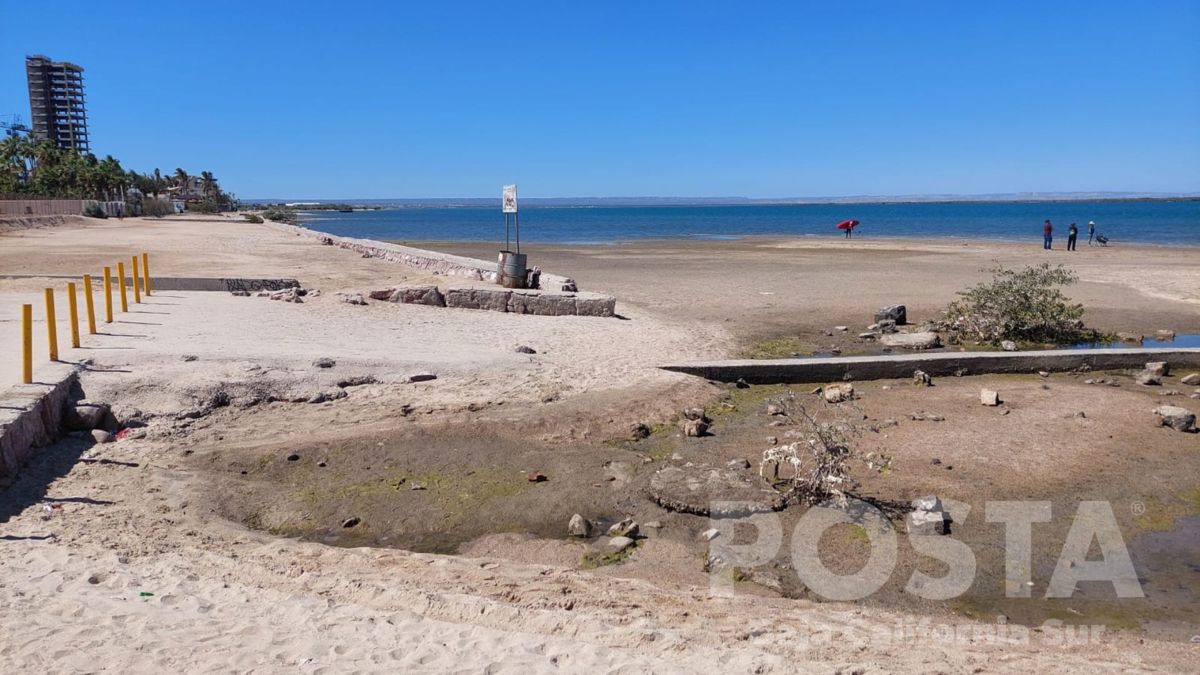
450,99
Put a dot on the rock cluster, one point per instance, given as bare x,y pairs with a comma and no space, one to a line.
928,517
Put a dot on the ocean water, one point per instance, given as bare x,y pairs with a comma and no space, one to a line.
1140,222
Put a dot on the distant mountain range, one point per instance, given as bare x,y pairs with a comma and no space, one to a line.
735,201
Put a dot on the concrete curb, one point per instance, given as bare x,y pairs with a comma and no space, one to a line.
789,371
31,416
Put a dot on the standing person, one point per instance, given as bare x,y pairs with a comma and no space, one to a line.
1091,231
1072,235
1047,235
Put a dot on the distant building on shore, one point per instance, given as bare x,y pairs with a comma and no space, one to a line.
56,102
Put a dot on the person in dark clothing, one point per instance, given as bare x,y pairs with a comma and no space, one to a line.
1072,234
1091,231
1047,235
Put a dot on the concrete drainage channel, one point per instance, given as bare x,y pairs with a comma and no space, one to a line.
812,370
33,416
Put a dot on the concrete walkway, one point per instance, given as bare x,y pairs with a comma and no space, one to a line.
786,371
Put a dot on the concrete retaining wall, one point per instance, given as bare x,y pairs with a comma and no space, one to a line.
430,261
787,371
31,416
541,303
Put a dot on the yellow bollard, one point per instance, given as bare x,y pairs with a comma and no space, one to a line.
146,272
121,285
27,344
51,325
89,303
137,284
73,309
107,295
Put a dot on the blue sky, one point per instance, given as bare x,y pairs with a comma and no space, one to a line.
757,99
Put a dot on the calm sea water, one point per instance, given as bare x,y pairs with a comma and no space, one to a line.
1164,223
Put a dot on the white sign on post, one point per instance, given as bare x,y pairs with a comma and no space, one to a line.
509,199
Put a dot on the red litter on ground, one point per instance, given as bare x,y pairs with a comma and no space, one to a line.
122,434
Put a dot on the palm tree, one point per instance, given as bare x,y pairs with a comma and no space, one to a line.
208,184
181,180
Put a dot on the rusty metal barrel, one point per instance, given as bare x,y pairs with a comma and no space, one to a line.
512,269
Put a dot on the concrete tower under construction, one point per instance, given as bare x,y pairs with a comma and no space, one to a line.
56,102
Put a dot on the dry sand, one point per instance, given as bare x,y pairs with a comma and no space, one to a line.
137,516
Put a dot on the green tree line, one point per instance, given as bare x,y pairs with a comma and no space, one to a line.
34,169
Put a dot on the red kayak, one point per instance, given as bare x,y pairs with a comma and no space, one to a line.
847,225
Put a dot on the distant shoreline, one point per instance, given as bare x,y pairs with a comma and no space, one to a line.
650,202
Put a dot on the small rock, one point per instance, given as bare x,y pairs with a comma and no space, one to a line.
382,294
935,461
421,377
739,463
921,378
1190,380
522,349
773,409
1131,337
627,527
886,326
416,486
1179,419
1158,368
841,329
324,362
101,436
654,525
989,397
695,428
710,534
1043,373
868,336
1164,335
579,526
188,357
1147,378
772,440
696,414
742,383
536,477
836,393
1008,346
351,521
897,313
639,431
618,544
354,299
293,457
240,294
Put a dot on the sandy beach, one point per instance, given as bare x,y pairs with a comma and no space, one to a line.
200,545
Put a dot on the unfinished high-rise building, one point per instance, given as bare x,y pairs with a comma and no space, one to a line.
56,102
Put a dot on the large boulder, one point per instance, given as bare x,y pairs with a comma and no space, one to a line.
1190,380
989,397
897,313
1179,419
926,340
85,416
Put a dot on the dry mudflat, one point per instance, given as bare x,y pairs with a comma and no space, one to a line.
276,515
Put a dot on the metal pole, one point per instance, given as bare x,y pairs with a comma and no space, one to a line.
517,222
73,311
51,325
27,344
89,303
506,237
137,283
108,302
